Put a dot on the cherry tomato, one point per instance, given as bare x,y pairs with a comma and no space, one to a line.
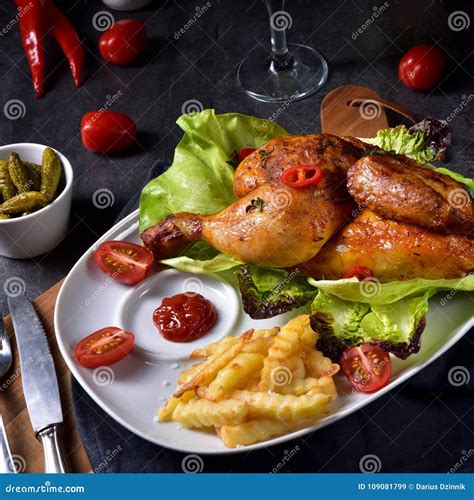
302,176
124,261
122,43
185,317
421,67
106,131
244,152
104,347
359,272
367,367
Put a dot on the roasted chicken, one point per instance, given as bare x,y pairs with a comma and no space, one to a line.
415,222
392,251
273,226
397,188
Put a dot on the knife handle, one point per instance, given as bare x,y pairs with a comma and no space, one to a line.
55,460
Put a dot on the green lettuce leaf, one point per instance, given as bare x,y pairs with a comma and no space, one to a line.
394,327
374,293
269,292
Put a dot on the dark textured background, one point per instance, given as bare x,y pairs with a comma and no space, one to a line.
202,65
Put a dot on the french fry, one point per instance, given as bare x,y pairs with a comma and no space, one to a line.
209,349
234,375
325,385
280,407
269,332
208,369
252,432
203,413
298,386
166,411
259,345
296,365
319,366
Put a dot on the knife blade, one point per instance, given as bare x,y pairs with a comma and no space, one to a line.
40,384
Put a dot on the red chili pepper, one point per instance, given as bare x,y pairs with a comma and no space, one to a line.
302,176
64,33
31,14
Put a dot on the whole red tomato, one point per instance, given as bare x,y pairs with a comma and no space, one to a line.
122,43
421,67
105,131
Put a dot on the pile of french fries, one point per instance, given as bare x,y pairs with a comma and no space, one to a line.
259,385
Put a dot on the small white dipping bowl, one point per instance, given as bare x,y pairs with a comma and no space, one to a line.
39,232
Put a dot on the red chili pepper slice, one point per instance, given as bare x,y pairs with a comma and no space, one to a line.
359,272
302,176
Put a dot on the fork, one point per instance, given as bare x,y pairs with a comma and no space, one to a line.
6,459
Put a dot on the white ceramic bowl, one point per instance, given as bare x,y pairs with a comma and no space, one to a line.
39,232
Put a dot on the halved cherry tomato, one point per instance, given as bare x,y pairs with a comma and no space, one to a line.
367,367
104,347
359,272
106,131
122,43
421,67
244,152
124,261
302,176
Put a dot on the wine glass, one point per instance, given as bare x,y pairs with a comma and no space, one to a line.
289,72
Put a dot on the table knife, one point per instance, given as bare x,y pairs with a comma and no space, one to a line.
40,384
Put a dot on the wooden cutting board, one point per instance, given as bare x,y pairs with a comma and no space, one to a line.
341,114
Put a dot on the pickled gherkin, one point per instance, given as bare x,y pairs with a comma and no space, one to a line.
50,173
19,174
23,202
7,188
34,173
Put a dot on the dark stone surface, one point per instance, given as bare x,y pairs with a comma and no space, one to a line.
202,65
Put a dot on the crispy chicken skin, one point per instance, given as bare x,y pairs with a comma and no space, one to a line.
286,227
393,251
397,188
333,154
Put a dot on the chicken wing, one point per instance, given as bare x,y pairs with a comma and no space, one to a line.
393,251
272,226
333,154
397,188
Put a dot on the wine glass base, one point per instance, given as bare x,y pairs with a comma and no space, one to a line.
302,73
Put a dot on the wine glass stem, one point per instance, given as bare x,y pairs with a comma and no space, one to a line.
278,36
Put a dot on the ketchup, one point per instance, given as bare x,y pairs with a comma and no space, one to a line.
184,317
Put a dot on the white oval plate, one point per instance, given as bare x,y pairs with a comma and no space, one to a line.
132,390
